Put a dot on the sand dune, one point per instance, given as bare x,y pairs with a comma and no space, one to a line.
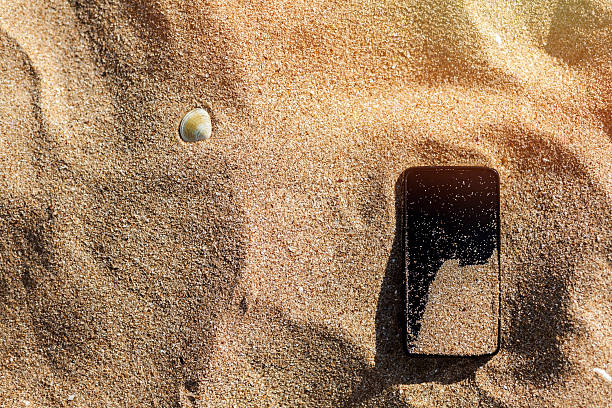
262,267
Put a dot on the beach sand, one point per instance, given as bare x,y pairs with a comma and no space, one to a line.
261,267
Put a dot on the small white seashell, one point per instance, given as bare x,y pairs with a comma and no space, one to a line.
604,374
498,39
195,126
71,397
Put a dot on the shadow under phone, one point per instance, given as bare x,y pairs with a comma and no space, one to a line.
393,363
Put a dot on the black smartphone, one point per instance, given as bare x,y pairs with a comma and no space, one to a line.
452,260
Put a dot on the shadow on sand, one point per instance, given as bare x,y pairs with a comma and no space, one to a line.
393,365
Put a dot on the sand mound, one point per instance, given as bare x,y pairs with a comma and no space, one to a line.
262,267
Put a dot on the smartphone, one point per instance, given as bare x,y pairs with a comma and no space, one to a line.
452,260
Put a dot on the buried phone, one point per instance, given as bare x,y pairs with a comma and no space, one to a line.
451,246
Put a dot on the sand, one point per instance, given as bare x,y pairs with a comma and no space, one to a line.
261,267
460,316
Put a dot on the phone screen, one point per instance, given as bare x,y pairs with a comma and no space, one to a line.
451,241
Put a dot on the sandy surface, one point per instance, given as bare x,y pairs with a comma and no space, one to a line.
461,313
261,267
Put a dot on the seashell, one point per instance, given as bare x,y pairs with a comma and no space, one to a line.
195,126
603,374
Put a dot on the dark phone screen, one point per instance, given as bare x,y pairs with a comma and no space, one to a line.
451,238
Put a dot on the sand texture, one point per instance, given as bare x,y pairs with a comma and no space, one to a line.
261,267
461,314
